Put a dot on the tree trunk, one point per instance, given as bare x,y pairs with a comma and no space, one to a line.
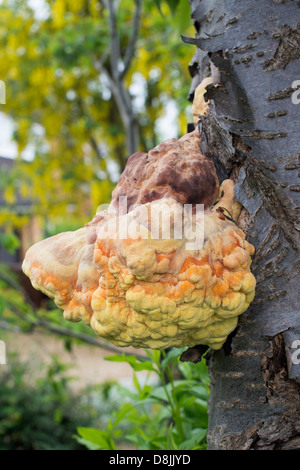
251,132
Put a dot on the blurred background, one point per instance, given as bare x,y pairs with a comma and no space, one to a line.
87,83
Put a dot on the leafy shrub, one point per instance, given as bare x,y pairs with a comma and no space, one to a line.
41,415
170,415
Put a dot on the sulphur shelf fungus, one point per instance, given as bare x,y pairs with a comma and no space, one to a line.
165,265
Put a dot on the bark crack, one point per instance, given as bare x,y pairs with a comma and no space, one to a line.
287,50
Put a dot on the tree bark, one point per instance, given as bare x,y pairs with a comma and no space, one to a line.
251,132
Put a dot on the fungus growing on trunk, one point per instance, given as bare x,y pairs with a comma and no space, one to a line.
152,270
200,106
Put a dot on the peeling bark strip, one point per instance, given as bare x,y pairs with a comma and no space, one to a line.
252,50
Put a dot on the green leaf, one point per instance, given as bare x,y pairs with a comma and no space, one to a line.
97,437
159,442
159,393
164,413
136,382
156,356
88,444
200,392
133,361
197,436
173,5
172,355
170,439
182,16
158,4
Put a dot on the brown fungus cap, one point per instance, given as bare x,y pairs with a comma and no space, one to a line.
175,168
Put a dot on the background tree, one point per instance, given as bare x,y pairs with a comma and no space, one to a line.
252,50
85,88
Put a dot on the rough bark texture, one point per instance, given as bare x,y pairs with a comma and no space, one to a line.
251,132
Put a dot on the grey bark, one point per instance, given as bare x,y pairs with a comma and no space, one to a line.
252,48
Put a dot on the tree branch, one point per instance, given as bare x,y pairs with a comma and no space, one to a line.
93,141
115,75
82,337
115,55
95,147
133,39
115,86
38,322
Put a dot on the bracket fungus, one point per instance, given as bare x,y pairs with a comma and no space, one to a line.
142,287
